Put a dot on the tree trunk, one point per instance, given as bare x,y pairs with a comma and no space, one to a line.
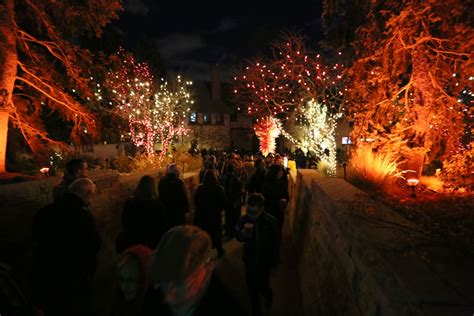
8,69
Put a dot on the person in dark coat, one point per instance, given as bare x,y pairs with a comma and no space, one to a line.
260,233
275,191
209,201
143,218
182,271
300,159
172,194
257,180
66,243
233,191
209,164
75,169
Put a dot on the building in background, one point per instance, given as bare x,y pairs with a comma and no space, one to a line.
213,121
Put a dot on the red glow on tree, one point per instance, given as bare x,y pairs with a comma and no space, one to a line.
154,114
284,83
411,78
131,84
39,65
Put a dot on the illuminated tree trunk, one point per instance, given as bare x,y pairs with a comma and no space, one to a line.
8,68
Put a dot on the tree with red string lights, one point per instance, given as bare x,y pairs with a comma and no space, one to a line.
283,83
413,69
154,113
293,85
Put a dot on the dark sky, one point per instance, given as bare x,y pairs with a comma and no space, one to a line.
193,35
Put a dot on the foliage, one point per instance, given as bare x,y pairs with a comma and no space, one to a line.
143,162
433,183
285,82
299,88
154,112
458,171
187,162
48,65
413,60
323,168
372,169
122,163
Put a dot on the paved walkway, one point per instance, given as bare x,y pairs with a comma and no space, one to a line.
287,298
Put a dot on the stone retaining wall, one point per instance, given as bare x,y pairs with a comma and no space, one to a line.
357,257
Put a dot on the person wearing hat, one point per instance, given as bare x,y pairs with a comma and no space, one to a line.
182,269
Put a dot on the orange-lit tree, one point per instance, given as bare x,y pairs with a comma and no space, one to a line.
39,65
413,61
293,86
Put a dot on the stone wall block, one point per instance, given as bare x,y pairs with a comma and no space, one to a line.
360,256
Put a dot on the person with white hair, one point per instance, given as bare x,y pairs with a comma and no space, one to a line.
172,193
66,243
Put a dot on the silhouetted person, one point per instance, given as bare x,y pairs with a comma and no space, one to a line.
182,270
233,192
275,191
300,159
257,180
260,234
209,201
66,243
75,169
143,218
172,194
209,164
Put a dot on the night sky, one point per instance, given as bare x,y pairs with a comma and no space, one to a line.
191,36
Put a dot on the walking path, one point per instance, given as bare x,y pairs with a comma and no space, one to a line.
287,298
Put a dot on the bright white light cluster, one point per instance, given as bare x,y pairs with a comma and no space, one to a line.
321,133
154,114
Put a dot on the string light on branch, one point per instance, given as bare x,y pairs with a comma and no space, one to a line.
301,90
155,114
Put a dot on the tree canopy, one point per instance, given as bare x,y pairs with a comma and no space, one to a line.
42,67
412,63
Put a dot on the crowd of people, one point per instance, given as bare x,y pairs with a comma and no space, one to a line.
165,266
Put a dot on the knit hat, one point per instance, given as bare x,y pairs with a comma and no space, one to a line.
180,252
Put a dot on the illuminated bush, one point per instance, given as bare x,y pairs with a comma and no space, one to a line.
432,183
458,171
373,169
